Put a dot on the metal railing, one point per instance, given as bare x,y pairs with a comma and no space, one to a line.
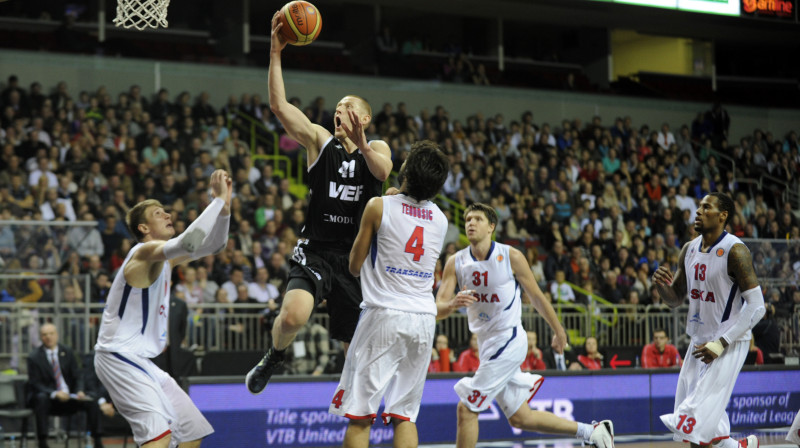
244,327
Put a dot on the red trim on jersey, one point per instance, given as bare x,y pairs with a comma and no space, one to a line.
714,440
535,388
390,416
159,437
361,417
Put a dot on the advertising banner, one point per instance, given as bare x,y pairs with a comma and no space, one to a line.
296,414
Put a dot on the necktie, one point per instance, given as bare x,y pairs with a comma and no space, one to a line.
56,370
560,362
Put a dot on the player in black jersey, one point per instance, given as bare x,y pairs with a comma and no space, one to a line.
344,172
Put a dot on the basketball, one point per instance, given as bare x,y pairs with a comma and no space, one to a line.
301,22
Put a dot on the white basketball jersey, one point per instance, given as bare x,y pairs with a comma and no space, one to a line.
398,272
135,319
498,306
715,300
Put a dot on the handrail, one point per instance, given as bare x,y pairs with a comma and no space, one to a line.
582,308
257,129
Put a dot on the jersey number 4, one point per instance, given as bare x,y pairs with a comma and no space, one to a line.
337,399
414,244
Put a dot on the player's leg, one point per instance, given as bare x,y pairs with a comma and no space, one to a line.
467,429
298,302
190,426
405,434
295,311
192,444
357,434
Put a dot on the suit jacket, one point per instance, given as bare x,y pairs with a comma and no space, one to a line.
40,372
550,358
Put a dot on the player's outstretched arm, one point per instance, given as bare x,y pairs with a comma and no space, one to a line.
672,288
377,153
370,223
208,233
297,125
524,275
446,302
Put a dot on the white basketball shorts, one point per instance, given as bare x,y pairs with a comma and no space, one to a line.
794,432
149,399
499,376
702,395
388,358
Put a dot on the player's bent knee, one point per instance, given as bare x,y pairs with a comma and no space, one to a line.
464,413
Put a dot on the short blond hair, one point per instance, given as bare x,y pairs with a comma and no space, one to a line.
364,104
137,215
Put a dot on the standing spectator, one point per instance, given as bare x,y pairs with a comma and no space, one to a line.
659,353
86,240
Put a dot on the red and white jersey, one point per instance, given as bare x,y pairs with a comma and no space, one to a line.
398,272
498,306
135,319
715,300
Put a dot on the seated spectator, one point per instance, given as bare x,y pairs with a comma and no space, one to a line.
534,359
468,360
754,356
562,361
767,334
442,358
591,359
311,350
660,354
560,290
56,387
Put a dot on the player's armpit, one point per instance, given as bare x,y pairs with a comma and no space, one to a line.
740,267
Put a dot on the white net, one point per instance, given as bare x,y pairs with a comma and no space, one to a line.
141,14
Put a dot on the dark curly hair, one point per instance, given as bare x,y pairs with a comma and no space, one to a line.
725,204
424,171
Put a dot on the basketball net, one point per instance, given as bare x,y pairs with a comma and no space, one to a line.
141,14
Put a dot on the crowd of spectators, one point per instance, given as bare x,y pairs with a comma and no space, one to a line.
599,206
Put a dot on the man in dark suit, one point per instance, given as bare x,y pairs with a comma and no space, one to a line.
561,361
56,386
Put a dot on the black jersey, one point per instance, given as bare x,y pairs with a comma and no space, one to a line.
340,184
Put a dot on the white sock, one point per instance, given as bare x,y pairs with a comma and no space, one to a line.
727,443
585,431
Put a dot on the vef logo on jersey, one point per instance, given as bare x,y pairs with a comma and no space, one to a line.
720,252
350,193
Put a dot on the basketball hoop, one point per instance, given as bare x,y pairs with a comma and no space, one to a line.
141,14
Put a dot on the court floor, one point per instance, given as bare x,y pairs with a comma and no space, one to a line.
773,438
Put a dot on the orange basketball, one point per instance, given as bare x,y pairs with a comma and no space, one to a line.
301,22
